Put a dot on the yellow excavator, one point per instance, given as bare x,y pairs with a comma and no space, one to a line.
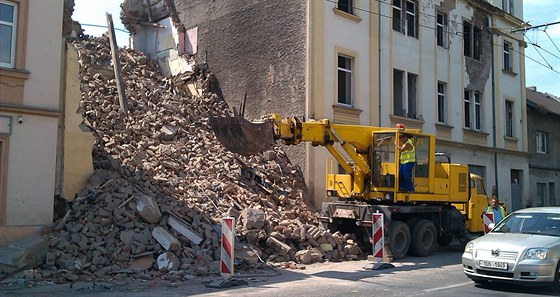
446,203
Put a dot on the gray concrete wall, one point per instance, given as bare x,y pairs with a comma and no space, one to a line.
254,46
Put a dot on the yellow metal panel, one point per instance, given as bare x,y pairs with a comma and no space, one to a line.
340,183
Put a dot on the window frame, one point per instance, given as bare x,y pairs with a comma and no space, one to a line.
511,7
508,59
347,7
472,40
14,27
398,21
509,118
349,81
467,109
414,16
472,110
542,142
478,111
441,102
405,95
441,29
402,16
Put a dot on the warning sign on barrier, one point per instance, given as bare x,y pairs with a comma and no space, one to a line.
227,251
487,219
377,234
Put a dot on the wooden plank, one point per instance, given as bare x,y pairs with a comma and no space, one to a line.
117,65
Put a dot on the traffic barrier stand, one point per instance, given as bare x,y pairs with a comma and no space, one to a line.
378,243
227,250
487,219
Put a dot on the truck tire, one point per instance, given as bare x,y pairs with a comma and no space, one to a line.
424,237
399,239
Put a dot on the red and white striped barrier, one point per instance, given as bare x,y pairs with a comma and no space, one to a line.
377,234
487,219
227,252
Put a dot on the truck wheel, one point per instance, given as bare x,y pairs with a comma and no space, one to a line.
399,239
423,238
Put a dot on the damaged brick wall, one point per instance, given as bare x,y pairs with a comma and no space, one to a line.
478,71
257,47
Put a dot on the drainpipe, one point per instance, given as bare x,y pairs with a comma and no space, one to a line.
493,108
379,61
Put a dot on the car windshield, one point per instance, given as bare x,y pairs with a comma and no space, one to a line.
530,223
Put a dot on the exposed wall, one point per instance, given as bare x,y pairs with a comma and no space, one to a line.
263,56
77,159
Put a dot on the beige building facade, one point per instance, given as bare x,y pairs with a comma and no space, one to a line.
32,118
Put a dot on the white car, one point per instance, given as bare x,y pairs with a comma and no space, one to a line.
524,247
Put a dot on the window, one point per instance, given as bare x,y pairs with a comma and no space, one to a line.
507,56
473,110
477,46
477,112
8,21
412,82
346,6
441,29
472,37
398,93
541,142
511,7
397,16
411,18
467,39
509,118
404,103
404,18
507,6
344,80
442,105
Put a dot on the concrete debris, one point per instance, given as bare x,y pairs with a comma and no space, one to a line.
165,238
162,183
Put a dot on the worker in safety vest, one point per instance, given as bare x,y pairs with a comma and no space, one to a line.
498,211
407,160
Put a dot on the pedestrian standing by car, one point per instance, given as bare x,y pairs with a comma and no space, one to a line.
495,208
406,162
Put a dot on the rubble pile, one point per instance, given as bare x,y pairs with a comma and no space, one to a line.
162,183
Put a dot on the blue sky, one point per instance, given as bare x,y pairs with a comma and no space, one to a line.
539,12
535,12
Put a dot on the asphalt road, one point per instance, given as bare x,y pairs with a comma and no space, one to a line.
438,275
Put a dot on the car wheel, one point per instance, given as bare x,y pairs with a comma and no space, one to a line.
399,239
423,238
557,278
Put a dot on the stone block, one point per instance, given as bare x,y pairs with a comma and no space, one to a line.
167,241
184,229
253,218
148,209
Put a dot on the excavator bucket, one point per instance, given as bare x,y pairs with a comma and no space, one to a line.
241,136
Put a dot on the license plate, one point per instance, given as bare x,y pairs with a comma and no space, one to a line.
493,264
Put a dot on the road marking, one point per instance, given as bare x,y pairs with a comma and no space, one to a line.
448,287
